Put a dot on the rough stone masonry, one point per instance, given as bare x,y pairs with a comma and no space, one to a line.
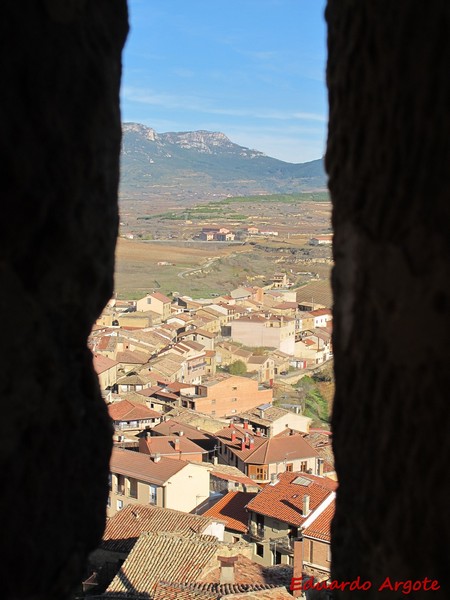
59,150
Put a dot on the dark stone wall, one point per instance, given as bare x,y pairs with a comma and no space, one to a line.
59,151
388,160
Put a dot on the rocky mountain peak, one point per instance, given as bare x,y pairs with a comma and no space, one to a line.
147,132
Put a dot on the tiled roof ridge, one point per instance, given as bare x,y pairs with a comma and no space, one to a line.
200,538
221,588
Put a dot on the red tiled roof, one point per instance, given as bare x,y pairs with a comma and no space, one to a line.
164,556
174,427
176,386
248,573
283,305
142,467
231,508
320,528
151,391
284,500
165,445
132,358
180,591
279,593
166,395
231,477
102,363
320,312
266,450
124,528
125,410
161,297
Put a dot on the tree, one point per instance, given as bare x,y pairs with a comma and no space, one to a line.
238,367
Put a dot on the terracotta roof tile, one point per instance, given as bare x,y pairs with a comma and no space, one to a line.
279,593
164,556
175,427
284,500
194,591
165,445
248,573
142,467
161,297
231,508
125,410
179,591
125,527
103,363
320,528
132,358
266,450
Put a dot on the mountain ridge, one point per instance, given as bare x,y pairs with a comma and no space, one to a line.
207,161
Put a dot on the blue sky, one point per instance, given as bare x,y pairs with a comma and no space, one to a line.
253,69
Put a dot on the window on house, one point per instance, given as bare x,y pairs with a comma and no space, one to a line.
133,488
119,504
260,550
277,558
289,467
329,553
152,493
303,466
213,413
213,401
108,502
261,472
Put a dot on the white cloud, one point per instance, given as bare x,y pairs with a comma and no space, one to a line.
204,105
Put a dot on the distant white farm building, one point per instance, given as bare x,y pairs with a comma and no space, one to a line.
321,240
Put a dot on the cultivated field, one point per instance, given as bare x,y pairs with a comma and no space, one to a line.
200,269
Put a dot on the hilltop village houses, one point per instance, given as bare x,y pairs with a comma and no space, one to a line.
205,462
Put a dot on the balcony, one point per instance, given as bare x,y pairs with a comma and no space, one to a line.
257,531
285,543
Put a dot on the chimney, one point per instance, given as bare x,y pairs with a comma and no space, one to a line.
181,433
156,457
227,569
258,431
320,467
245,424
298,568
233,435
252,443
242,444
305,504
231,425
176,444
